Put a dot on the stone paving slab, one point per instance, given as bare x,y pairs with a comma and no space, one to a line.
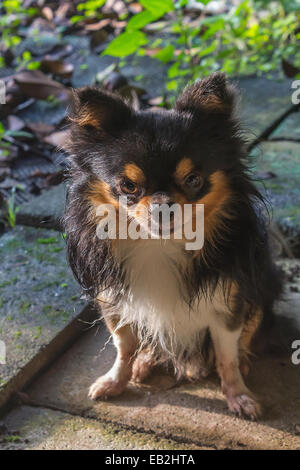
289,128
282,190
44,429
38,296
192,413
263,101
45,210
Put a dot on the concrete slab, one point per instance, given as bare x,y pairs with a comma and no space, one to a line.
191,413
262,102
289,128
283,190
38,299
44,211
87,65
31,428
153,75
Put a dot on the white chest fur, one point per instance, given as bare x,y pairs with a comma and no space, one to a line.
155,303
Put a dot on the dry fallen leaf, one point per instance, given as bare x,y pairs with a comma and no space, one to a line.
117,6
57,67
135,8
40,128
15,123
37,85
47,13
97,26
57,139
62,11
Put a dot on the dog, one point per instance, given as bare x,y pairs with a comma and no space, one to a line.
197,309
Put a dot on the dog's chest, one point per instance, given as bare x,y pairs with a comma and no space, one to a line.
157,294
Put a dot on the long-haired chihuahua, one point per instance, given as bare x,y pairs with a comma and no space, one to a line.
195,308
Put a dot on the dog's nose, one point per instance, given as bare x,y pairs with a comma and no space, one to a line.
161,197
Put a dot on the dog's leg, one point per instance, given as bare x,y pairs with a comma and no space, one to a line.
248,332
115,380
143,364
226,343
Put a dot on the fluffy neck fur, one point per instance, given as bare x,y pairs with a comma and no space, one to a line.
156,299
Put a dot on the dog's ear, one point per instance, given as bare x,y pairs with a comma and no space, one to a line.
211,95
96,110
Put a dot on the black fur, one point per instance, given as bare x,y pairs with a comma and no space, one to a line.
207,133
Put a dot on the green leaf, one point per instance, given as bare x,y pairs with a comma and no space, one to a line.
125,44
27,55
19,134
142,19
166,54
214,28
74,19
181,3
47,241
34,65
172,85
205,2
90,5
173,70
155,6
208,50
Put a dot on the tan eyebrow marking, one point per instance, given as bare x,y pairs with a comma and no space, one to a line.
183,168
134,173
99,192
86,118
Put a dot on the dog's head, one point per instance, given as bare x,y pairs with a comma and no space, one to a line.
180,156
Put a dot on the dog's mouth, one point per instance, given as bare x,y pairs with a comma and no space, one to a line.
166,227
162,228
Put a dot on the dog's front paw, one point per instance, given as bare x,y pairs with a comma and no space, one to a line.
244,405
106,386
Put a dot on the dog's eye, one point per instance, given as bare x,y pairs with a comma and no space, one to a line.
128,187
193,180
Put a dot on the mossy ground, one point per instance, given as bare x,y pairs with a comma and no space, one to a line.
38,295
